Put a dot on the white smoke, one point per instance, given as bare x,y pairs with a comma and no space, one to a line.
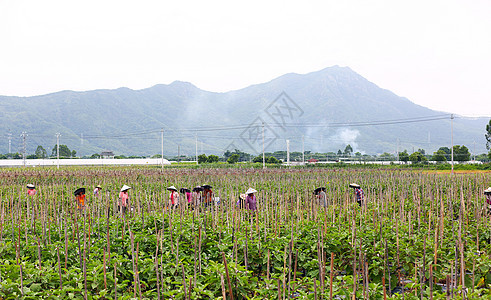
344,137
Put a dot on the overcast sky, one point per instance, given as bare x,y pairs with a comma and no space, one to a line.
436,53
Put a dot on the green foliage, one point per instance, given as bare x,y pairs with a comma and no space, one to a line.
348,150
202,158
404,156
273,160
461,153
212,159
41,152
387,156
243,156
417,157
446,150
64,151
234,158
439,156
390,235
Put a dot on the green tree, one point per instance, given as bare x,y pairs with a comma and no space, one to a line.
417,157
422,151
340,152
404,156
348,150
243,156
202,158
439,156
273,160
461,153
234,158
64,151
212,159
41,152
74,153
95,155
445,149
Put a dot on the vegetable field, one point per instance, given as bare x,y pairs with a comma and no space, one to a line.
420,236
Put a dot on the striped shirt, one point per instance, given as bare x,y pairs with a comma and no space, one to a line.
360,195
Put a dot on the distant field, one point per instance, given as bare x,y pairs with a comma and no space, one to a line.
419,234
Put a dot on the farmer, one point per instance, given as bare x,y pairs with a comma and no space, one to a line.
97,191
487,194
173,197
31,190
123,199
250,200
321,196
360,195
80,198
207,195
187,193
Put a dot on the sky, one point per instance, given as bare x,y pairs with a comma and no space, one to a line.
435,53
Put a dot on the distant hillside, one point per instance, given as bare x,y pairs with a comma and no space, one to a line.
291,106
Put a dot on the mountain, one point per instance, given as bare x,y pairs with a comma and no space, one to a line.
316,107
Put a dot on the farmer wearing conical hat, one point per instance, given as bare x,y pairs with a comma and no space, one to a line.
207,195
123,199
487,194
360,195
250,200
173,197
97,191
187,196
80,198
31,190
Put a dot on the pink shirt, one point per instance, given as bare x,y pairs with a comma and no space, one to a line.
188,195
31,192
123,196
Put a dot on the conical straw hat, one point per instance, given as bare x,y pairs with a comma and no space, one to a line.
125,188
251,191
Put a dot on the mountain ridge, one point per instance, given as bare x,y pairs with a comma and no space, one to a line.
330,95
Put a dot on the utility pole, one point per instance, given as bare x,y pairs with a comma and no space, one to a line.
24,136
58,150
162,145
288,152
264,157
303,151
451,130
196,148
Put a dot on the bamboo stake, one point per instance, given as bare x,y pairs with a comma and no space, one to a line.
228,277
59,266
